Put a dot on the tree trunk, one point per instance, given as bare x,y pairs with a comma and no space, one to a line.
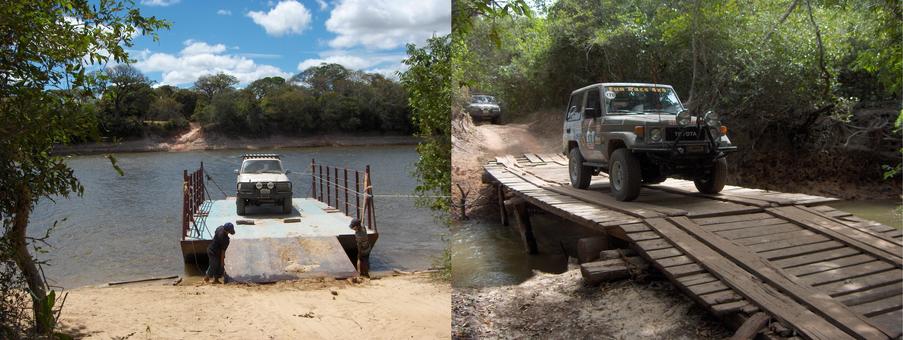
23,258
695,54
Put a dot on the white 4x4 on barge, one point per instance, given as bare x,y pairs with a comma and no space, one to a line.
262,179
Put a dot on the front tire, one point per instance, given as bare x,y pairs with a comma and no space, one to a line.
287,205
714,181
625,175
240,206
580,174
496,120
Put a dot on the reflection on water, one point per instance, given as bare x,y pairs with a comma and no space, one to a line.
881,211
128,227
489,254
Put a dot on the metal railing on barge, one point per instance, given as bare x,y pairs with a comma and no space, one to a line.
195,205
329,187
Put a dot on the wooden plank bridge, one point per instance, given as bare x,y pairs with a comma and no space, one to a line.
747,255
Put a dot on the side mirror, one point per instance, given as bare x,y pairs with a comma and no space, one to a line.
235,171
287,171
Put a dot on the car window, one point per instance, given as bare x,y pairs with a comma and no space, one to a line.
261,166
575,106
593,100
482,99
641,99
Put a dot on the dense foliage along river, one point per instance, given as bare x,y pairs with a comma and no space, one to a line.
128,227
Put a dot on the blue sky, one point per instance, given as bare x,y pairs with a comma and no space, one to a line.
255,39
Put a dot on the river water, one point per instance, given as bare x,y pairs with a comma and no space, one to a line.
486,253
129,227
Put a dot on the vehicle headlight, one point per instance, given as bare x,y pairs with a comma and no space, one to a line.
655,135
259,185
270,185
683,118
712,119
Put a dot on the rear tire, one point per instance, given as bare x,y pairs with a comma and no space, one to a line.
714,181
239,206
287,205
625,175
580,174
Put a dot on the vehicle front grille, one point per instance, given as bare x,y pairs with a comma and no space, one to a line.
689,133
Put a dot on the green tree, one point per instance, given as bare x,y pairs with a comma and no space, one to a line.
323,78
428,84
292,111
128,92
267,86
165,108
211,85
45,45
188,99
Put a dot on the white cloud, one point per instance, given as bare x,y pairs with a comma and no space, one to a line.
354,62
323,5
199,58
287,17
224,12
199,47
387,24
162,3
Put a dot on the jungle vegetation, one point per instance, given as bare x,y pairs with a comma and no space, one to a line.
810,89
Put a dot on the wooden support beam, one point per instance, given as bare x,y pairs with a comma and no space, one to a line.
615,254
503,211
588,248
522,216
612,270
751,327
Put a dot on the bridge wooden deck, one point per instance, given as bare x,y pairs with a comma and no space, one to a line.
816,272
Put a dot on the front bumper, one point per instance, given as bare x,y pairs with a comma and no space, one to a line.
260,198
484,114
264,195
688,149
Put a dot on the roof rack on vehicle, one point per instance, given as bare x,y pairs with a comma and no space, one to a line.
261,155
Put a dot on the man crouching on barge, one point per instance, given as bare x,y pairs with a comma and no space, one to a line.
216,252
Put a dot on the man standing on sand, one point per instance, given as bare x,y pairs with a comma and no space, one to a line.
363,247
216,252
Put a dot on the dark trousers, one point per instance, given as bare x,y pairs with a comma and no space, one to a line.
216,268
363,264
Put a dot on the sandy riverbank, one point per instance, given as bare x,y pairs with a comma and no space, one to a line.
409,306
196,139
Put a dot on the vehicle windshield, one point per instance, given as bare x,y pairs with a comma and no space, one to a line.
261,166
480,99
641,99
